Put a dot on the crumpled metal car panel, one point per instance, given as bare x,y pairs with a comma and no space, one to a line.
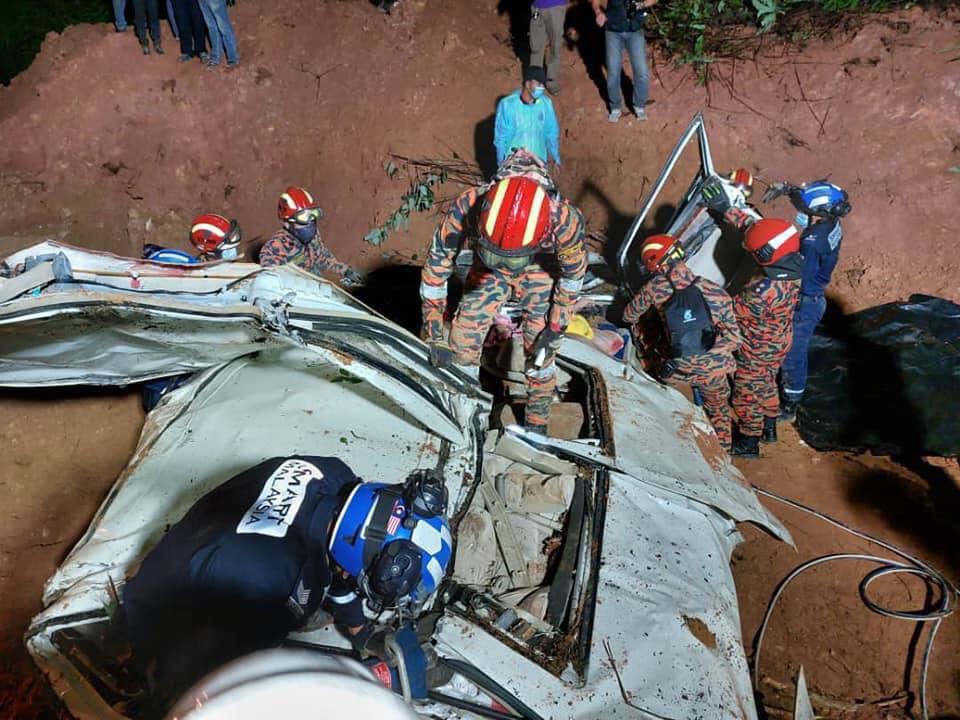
665,621
666,626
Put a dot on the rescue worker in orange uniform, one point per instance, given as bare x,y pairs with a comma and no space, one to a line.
299,242
764,310
701,326
528,244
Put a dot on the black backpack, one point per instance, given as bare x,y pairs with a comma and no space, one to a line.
688,322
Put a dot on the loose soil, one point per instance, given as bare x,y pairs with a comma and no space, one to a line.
105,148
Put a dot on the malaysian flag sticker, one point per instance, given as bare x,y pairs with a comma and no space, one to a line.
396,516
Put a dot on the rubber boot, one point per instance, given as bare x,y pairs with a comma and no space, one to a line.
788,410
745,446
769,430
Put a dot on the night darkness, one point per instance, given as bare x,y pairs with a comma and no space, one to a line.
24,24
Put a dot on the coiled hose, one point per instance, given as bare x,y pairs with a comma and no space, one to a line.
944,607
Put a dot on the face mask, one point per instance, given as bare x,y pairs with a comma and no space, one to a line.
538,92
229,254
304,233
801,220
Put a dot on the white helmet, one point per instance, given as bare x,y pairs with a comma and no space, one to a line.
290,684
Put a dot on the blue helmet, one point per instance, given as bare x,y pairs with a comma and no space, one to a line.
822,199
396,553
168,255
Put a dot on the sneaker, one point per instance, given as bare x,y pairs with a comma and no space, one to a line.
146,48
158,48
614,115
232,64
204,57
553,87
641,113
212,64
184,57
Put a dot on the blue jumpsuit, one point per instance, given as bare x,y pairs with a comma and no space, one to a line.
820,246
245,566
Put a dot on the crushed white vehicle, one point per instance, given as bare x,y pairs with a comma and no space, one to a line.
591,573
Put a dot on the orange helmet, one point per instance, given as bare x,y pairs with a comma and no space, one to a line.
296,205
658,250
742,179
212,234
770,239
515,217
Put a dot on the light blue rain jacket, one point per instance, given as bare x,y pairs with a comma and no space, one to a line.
531,127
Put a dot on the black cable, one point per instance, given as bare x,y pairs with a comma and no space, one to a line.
935,615
469,706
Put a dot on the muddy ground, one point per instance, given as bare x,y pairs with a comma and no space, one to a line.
105,148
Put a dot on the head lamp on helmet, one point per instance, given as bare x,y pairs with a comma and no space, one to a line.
374,519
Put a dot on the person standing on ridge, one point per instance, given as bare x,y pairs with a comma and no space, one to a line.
526,120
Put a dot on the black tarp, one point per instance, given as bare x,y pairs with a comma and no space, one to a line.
886,379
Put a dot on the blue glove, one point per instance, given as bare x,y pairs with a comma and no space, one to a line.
415,659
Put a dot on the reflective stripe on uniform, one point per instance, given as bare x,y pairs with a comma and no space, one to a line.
288,201
433,292
342,599
544,373
571,285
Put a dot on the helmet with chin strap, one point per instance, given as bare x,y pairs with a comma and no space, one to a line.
213,234
821,199
394,539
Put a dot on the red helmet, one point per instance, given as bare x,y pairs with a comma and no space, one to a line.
515,217
212,234
298,206
770,239
742,179
659,249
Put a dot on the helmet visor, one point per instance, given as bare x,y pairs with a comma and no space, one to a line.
496,261
305,217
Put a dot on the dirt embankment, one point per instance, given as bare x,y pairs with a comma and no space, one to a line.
105,148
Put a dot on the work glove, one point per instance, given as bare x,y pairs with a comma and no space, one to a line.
353,279
441,355
668,369
545,345
415,660
777,189
715,196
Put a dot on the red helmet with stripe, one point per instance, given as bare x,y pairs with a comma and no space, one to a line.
659,249
212,234
298,206
515,217
770,239
742,179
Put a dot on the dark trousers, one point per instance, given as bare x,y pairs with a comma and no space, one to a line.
193,30
147,12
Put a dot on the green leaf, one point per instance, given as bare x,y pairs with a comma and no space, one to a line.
954,169
344,440
376,236
390,167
